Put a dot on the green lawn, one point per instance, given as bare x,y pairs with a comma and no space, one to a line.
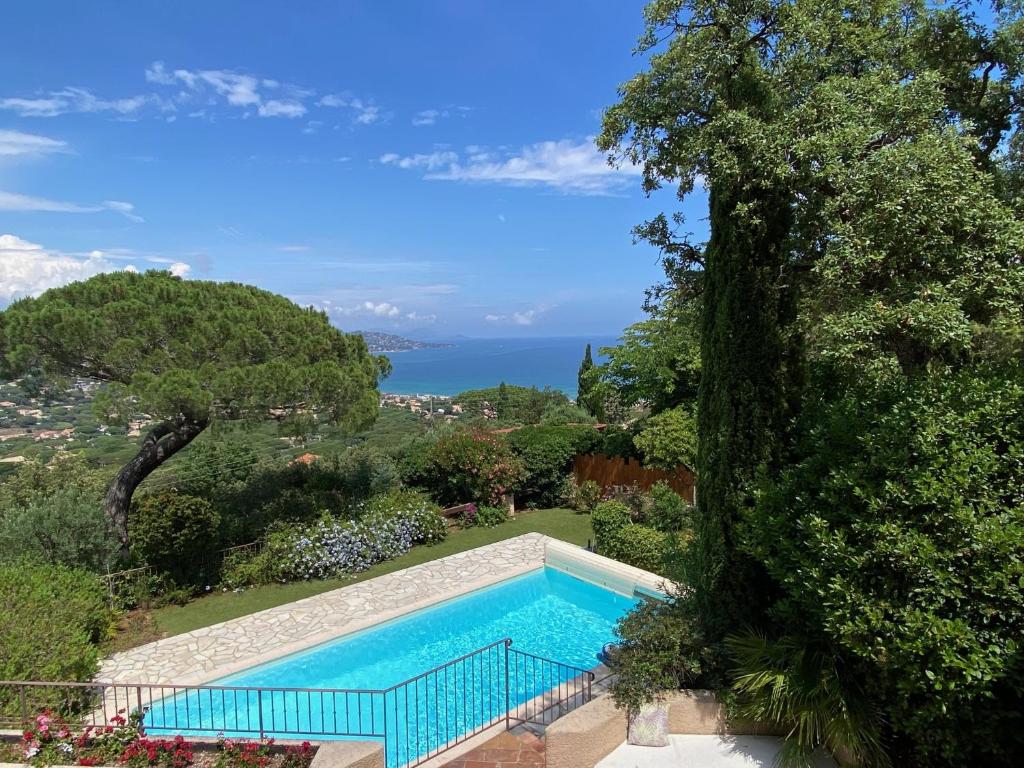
559,523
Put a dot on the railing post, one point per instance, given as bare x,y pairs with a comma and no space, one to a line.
508,643
24,704
138,698
259,707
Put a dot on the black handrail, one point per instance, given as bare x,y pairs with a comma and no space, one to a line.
417,719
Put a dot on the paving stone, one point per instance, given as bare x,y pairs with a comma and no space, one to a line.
206,654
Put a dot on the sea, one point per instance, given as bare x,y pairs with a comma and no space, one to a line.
479,363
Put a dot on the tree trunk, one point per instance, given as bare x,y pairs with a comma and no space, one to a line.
162,442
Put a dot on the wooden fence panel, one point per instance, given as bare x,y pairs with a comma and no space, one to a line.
609,471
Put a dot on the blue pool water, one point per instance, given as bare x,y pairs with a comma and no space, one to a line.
546,614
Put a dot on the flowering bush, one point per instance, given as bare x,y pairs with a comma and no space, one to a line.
49,741
472,466
167,753
244,754
385,527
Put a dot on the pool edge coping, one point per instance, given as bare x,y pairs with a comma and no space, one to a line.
218,671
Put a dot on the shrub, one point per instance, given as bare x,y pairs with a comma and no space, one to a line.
607,519
617,441
51,620
667,511
489,517
640,546
471,466
658,652
898,541
582,497
176,534
388,526
68,527
547,453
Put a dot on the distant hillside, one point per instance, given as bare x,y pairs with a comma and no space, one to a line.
389,342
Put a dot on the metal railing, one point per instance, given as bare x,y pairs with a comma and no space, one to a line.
417,719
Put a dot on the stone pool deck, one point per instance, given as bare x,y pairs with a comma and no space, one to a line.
212,652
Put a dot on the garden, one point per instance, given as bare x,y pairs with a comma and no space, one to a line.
261,531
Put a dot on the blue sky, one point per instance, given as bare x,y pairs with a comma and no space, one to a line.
418,167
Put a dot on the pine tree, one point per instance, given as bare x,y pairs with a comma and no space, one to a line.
587,395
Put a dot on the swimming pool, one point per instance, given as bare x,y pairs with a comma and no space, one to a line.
421,680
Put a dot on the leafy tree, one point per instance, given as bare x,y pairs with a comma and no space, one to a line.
763,103
863,265
657,361
546,453
510,403
668,439
167,524
185,354
67,527
563,414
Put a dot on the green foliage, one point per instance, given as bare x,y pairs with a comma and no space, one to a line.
658,652
667,510
185,354
638,545
561,414
669,439
607,519
177,534
898,538
52,619
617,441
488,517
209,350
788,684
657,361
66,527
582,497
588,398
509,403
468,466
546,453
860,232
385,527
35,480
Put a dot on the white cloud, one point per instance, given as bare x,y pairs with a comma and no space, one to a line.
278,108
418,318
13,201
238,89
428,116
68,100
571,167
377,309
28,269
179,269
125,209
17,144
524,317
364,112
296,248
430,162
